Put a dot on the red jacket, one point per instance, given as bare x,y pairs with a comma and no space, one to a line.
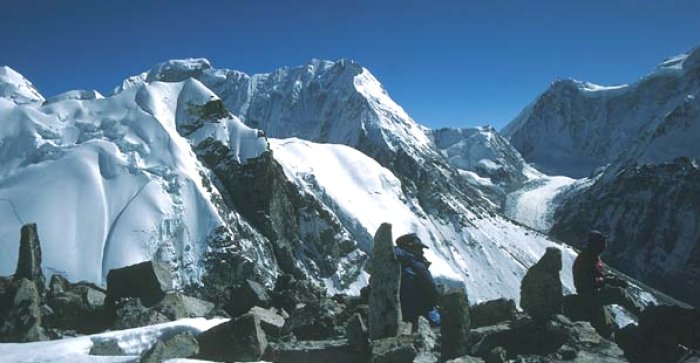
588,272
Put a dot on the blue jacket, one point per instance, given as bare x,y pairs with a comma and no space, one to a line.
419,295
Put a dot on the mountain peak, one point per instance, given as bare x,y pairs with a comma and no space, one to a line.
18,89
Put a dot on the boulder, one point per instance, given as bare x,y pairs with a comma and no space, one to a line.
664,334
177,306
182,345
454,327
541,289
78,307
130,313
555,340
317,351
239,299
270,322
148,281
108,347
240,339
394,350
385,281
492,312
22,322
29,259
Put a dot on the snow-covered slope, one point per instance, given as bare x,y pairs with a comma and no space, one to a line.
111,182
575,127
488,254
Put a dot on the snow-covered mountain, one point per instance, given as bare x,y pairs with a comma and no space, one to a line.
576,127
162,170
642,139
111,181
484,157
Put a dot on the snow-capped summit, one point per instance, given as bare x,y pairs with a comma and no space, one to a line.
332,102
576,127
16,88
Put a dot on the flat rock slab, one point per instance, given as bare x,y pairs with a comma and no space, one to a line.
148,281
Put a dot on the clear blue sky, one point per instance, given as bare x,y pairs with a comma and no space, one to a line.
448,63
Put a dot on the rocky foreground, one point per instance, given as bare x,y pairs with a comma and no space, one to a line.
298,322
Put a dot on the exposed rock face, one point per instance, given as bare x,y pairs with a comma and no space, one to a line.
147,281
492,312
541,293
263,195
454,320
651,213
78,307
240,339
384,303
183,345
29,261
22,322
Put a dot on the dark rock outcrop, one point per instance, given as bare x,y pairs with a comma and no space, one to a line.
130,313
240,339
394,350
314,321
29,260
455,324
148,281
665,334
183,345
492,312
78,307
541,293
358,336
244,296
22,322
554,340
384,303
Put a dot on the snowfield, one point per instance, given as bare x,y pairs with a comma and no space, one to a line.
111,182
133,342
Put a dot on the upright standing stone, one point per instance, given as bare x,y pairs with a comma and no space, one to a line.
541,290
384,303
29,261
454,323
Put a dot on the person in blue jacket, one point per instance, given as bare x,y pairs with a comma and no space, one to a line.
419,295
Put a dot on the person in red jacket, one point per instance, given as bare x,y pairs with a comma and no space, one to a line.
592,282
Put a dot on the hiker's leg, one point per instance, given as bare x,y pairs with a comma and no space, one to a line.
617,295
